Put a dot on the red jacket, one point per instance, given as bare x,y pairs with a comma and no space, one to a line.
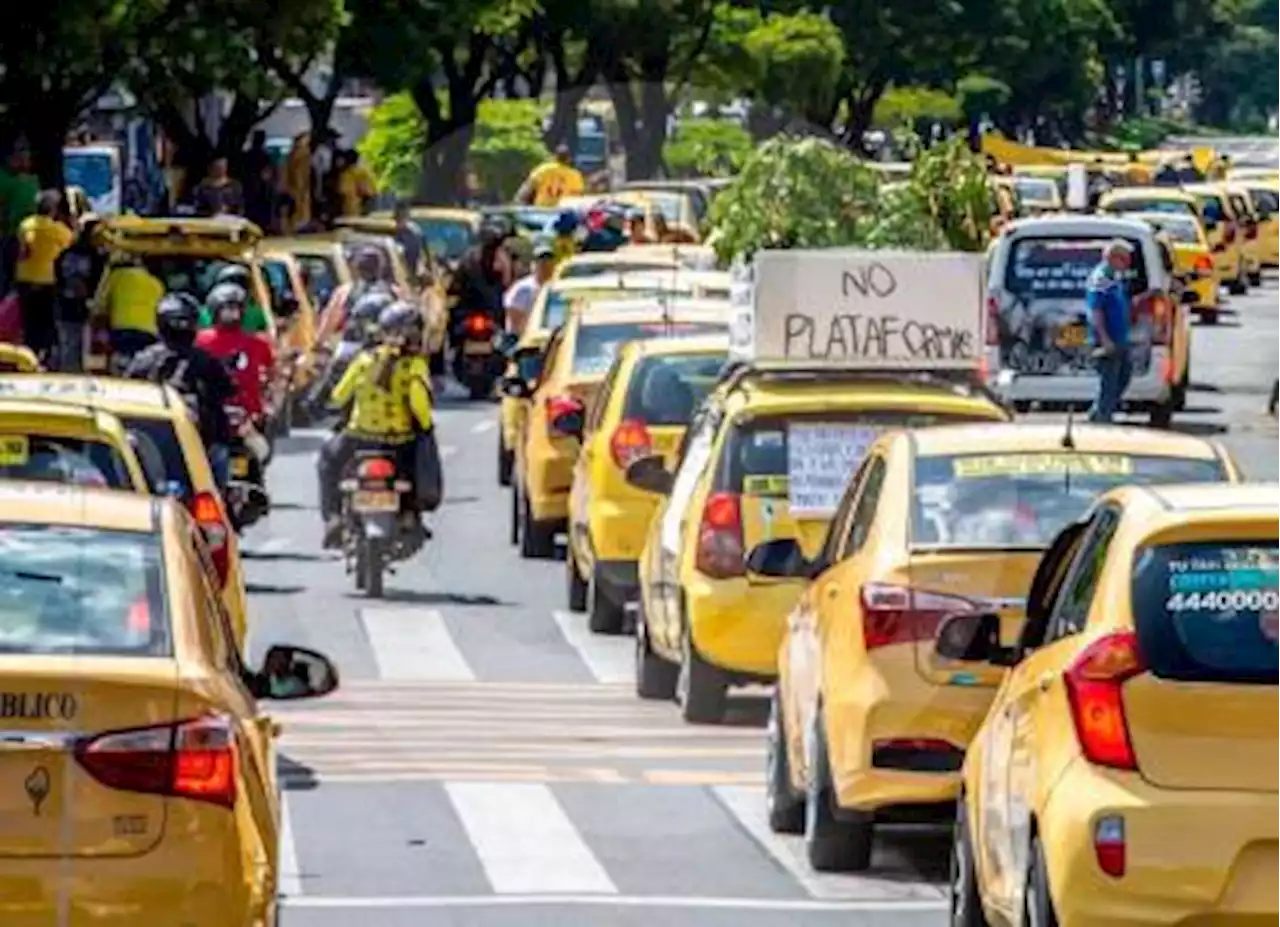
259,358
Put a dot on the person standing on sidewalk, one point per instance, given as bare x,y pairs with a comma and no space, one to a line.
77,270
1108,301
41,239
18,191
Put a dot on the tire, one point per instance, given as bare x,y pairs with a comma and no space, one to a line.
537,541
655,677
1255,278
966,903
372,564
701,688
1037,900
1179,397
1238,286
1162,415
785,807
513,534
577,586
1208,316
604,616
478,389
506,462
831,844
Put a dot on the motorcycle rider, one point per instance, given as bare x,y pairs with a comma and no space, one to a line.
481,280
360,331
202,380
388,390
254,318
369,279
249,358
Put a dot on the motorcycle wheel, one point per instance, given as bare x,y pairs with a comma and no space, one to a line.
371,562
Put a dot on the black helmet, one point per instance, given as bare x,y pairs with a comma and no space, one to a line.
178,317
368,308
225,295
400,321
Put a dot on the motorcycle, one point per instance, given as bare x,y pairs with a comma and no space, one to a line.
374,536
246,494
477,363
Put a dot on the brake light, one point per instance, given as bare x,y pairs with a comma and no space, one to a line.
207,511
993,322
901,615
1109,845
630,442
720,546
376,468
559,409
1204,264
478,326
1094,683
1161,321
193,759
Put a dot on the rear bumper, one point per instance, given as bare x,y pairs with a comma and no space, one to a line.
618,529
1150,388
1192,857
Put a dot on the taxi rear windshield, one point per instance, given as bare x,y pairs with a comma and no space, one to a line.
447,238
1183,231
169,476
596,346
1144,204
68,590
1211,206
666,390
1059,267
757,453
320,275
62,460
1024,499
1207,611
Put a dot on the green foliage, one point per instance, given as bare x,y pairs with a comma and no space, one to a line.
810,193
707,148
981,94
507,144
1141,133
795,61
909,105
392,148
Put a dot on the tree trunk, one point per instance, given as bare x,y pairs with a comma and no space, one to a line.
570,91
642,125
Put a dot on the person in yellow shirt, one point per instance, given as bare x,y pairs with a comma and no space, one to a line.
356,185
552,180
129,298
41,238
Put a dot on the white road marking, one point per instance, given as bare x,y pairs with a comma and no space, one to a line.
414,644
525,841
289,880
448,451
609,658
746,804
607,901
481,427
271,546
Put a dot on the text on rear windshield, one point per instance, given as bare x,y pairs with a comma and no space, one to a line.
1059,268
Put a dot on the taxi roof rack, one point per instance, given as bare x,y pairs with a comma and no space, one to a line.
963,382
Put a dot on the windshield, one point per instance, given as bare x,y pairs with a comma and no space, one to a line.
47,459
595,346
171,477
321,276
277,274
447,238
1058,268
1211,206
1150,204
81,591
92,172
666,390
1207,611
1183,230
1036,189
184,274
1025,499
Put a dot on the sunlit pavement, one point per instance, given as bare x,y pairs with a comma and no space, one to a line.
486,763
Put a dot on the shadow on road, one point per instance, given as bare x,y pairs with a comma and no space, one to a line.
411,597
298,556
295,777
269,589
910,853
1199,429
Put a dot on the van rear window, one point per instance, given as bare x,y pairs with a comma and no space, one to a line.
1059,267
161,442
48,459
1207,611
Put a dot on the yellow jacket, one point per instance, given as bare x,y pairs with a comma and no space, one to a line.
390,395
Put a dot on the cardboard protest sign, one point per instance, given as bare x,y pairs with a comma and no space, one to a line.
889,310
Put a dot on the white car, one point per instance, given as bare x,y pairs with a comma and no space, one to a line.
1038,345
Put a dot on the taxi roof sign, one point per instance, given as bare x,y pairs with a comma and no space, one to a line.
859,310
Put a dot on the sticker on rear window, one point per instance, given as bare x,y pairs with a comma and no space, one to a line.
1034,464
768,485
15,450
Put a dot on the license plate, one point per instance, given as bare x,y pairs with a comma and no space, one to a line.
240,466
477,347
375,501
1073,336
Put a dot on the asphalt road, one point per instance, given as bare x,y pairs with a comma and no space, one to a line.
485,761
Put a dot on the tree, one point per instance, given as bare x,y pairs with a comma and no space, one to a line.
707,148
795,63
1238,72
913,106
392,148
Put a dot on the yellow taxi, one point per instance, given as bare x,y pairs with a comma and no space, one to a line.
1126,772
448,232
702,623
62,442
18,358
578,357
594,263
296,316
690,257
670,214
139,771
1173,200
323,261
185,254
867,726
644,407
173,456
1265,195
1225,234
1038,194
1192,259
549,311
1250,221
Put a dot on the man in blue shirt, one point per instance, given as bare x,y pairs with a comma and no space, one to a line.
1107,298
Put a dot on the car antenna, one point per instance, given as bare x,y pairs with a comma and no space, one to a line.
1068,444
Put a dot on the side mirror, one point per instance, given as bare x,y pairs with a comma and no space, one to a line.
294,673
515,387
780,558
972,638
651,475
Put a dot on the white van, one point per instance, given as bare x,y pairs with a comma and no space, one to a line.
1038,345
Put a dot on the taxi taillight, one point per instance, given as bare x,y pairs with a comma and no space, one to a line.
193,759
1094,685
207,511
1204,264
630,442
720,546
1162,321
902,615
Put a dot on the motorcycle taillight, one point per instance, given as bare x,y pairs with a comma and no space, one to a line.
376,468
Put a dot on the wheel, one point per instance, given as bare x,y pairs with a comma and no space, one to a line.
1179,397
514,532
604,616
786,808
537,541
966,904
1255,278
1238,286
832,844
577,585
373,569
506,461
655,677
1208,315
1037,901
701,688
1162,415
478,389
